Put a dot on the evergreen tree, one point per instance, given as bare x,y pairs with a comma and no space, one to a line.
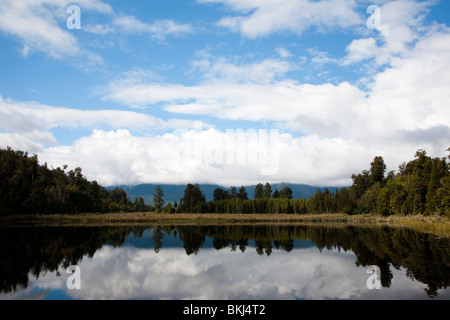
328,201
258,191
344,203
194,199
286,193
439,168
316,202
377,170
158,200
383,204
361,183
220,194
276,194
242,193
267,192
169,208
233,193
139,204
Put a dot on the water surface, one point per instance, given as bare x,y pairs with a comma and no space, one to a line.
222,262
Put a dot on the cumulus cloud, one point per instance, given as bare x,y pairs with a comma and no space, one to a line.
404,96
401,26
404,108
412,95
210,156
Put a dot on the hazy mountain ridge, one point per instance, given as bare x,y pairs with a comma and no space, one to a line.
174,193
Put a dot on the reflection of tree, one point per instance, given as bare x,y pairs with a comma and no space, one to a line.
366,257
193,239
242,244
288,245
156,238
220,243
428,266
34,251
264,247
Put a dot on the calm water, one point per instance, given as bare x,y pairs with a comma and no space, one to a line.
222,262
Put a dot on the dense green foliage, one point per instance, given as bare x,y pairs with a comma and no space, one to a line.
27,188
158,199
422,186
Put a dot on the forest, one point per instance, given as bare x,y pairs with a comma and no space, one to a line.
421,186
26,187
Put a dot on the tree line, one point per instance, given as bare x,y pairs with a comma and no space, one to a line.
26,187
421,186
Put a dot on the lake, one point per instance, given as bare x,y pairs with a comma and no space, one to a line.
222,263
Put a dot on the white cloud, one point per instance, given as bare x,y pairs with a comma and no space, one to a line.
284,53
320,57
41,27
405,108
222,69
256,18
158,29
20,142
118,157
99,29
413,94
361,49
24,116
401,27
37,23
283,101
28,125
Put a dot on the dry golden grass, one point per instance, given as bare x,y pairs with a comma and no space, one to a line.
430,224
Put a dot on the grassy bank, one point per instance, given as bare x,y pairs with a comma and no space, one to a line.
430,224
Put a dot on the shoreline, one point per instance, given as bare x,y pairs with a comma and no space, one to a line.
438,225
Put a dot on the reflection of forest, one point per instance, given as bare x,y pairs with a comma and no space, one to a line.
426,258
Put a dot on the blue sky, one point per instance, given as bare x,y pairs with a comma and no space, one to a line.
154,91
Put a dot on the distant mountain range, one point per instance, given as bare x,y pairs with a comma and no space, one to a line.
174,193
